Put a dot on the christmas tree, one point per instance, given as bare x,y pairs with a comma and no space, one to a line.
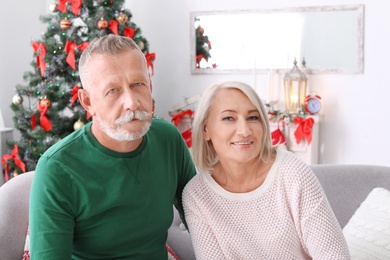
46,108
203,46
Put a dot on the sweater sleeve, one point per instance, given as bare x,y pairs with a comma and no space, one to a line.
50,214
321,233
187,172
200,231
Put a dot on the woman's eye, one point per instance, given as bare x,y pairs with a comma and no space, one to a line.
227,118
253,118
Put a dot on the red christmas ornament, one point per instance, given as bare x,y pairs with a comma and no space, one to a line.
65,24
102,24
45,102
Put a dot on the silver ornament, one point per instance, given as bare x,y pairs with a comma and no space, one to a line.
53,7
17,99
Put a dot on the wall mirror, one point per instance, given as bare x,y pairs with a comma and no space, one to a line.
328,39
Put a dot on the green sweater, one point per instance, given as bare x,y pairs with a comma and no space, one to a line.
89,202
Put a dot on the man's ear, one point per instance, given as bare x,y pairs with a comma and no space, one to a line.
151,84
85,101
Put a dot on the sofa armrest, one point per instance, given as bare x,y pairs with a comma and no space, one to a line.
347,186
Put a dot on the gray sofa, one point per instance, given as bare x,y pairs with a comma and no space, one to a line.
346,186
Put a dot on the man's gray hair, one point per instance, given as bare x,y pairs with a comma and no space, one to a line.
109,44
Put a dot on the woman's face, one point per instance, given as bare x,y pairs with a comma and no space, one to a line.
233,126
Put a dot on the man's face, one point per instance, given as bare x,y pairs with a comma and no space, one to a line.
120,95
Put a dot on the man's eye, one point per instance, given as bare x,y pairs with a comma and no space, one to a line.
138,84
113,90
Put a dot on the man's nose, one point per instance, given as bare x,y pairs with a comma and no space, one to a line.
130,101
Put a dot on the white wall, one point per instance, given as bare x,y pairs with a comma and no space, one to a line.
355,123
20,25
354,127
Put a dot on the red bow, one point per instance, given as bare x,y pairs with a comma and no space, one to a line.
41,57
69,48
176,118
150,57
114,26
129,32
76,5
277,137
75,92
45,122
303,129
187,136
17,160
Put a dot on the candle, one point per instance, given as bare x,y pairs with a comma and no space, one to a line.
270,85
254,72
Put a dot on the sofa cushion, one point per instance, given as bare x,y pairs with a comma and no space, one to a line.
368,231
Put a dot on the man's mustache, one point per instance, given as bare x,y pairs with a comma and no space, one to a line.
131,115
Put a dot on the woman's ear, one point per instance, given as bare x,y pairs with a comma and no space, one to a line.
85,101
206,136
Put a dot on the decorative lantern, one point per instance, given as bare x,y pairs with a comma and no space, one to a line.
294,89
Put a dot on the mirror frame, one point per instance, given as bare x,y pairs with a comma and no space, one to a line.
360,40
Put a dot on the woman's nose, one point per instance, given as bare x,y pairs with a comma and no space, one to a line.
243,128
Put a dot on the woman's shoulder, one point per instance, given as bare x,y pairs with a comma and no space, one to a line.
289,165
196,180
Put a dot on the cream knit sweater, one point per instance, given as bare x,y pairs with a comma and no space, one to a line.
287,217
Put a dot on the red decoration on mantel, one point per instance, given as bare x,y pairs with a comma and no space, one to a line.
176,118
303,129
186,128
278,137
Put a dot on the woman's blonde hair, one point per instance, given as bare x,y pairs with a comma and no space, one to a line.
203,151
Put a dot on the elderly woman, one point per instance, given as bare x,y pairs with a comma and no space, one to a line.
252,200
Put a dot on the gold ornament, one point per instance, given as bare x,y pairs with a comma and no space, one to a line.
17,99
15,173
122,18
78,124
141,45
200,30
65,24
102,24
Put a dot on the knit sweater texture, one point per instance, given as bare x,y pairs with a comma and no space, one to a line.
89,202
287,217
